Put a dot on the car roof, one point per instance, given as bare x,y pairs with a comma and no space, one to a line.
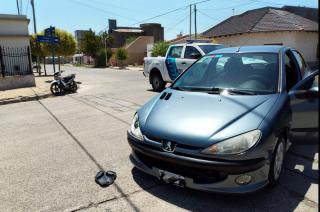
196,44
247,49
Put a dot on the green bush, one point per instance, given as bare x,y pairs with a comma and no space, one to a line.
101,59
160,49
121,55
109,54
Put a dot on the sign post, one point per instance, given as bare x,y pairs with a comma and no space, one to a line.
49,37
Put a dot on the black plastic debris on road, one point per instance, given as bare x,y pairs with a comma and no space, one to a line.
104,179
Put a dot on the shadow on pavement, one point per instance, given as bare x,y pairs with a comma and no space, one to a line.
286,196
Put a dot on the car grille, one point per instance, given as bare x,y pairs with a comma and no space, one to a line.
184,146
199,175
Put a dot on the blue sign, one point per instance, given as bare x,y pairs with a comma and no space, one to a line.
50,32
44,39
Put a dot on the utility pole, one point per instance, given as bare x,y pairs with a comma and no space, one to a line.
195,21
18,7
35,32
190,22
232,11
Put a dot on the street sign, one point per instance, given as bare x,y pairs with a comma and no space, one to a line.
50,32
45,39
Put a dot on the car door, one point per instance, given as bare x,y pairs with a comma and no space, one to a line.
304,104
191,54
172,61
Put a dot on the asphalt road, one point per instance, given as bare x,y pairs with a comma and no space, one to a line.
50,151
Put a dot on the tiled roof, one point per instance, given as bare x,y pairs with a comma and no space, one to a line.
267,19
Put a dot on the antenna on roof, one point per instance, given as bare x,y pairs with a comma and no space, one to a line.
238,49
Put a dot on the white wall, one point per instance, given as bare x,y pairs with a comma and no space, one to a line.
14,31
13,25
305,42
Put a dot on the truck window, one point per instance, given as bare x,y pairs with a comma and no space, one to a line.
175,51
191,53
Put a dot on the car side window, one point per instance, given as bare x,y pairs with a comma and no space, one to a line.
301,62
291,71
175,51
191,53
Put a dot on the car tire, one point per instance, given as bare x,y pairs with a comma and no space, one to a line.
157,82
277,162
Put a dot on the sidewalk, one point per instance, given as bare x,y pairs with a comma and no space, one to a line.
42,90
131,68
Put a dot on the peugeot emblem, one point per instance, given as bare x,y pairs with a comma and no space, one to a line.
168,146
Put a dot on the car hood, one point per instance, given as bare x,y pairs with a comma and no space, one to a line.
201,119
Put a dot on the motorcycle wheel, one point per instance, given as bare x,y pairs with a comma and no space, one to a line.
55,89
73,87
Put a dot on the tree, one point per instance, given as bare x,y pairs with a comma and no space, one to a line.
109,54
39,50
67,44
121,55
91,44
101,59
160,49
107,39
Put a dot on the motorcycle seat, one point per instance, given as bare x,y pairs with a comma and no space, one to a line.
68,78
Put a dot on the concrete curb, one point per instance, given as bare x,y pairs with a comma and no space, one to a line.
25,99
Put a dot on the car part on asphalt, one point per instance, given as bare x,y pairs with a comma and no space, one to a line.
104,179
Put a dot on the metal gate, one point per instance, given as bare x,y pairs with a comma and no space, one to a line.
15,61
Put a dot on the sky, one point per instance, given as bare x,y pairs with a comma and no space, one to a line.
71,15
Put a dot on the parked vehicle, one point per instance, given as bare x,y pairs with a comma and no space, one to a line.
61,85
225,124
179,57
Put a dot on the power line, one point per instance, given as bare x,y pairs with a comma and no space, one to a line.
208,15
176,24
231,7
265,2
100,9
157,16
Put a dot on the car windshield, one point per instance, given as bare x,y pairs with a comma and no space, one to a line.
209,48
239,73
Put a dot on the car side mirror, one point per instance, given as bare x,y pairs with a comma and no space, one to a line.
305,94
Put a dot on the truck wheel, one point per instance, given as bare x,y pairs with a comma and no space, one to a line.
157,82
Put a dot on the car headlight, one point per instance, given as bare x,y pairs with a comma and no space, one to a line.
135,128
235,144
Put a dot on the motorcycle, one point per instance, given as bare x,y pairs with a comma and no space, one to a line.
61,85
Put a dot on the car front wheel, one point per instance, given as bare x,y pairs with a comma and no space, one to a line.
277,162
157,82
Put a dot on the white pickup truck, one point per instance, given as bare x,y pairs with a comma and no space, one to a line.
179,57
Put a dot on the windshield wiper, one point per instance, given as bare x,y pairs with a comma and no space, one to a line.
241,92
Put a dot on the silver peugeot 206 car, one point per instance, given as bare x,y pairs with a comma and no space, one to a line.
225,124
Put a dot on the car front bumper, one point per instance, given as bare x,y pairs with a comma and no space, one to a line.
200,174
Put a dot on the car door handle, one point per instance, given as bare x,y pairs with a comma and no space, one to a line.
183,63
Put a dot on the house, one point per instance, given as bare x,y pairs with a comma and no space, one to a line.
135,40
184,38
15,55
269,25
121,34
79,36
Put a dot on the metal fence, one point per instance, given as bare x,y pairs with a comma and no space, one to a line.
15,61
